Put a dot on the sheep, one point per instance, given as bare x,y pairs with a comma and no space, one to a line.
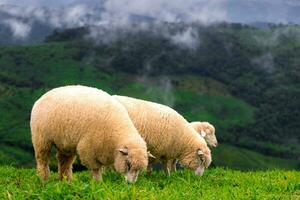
88,122
207,131
161,127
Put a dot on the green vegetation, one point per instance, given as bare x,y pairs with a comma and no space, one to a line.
224,81
240,158
216,183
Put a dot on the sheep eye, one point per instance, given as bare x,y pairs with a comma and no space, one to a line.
128,165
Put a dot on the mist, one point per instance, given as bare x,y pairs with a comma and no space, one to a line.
117,15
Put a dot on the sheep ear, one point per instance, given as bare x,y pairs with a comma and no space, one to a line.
150,155
200,153
203,133
123,151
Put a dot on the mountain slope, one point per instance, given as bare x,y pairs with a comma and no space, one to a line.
29,71
242,79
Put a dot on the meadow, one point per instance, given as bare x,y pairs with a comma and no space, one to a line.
216,183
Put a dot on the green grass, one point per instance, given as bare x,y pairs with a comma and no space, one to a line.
217,183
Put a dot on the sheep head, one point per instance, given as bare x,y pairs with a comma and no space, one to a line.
207,131
197,158
130,162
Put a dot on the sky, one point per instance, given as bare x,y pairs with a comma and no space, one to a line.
277,11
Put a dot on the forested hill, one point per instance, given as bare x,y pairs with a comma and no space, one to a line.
242,79
260,66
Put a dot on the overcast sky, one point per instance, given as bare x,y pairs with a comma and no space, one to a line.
204,10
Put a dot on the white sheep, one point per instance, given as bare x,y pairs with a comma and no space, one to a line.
207,131
167,134
88,122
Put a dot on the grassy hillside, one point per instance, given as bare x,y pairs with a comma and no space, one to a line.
29,71
244,159
259,66
26,72
216,183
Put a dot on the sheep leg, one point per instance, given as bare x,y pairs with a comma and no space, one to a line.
97,174
166,168
173,165
149,169
42,156
170,165
65,163
151,161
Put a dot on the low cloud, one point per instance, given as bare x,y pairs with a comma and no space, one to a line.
188,38
265,61
120,14
159,89
19,29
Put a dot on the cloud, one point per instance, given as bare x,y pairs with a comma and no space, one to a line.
117,16
265,61
283,2
275,11
202,11
42,3
205,11
122,10
188,38
160,89
135,15
268,41
72,16
19,29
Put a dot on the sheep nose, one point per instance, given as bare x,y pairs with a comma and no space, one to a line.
131,177
130,181
199,171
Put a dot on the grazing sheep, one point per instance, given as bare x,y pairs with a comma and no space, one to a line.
167,134
91,123
207,131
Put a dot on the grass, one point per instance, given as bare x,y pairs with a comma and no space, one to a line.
217,183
